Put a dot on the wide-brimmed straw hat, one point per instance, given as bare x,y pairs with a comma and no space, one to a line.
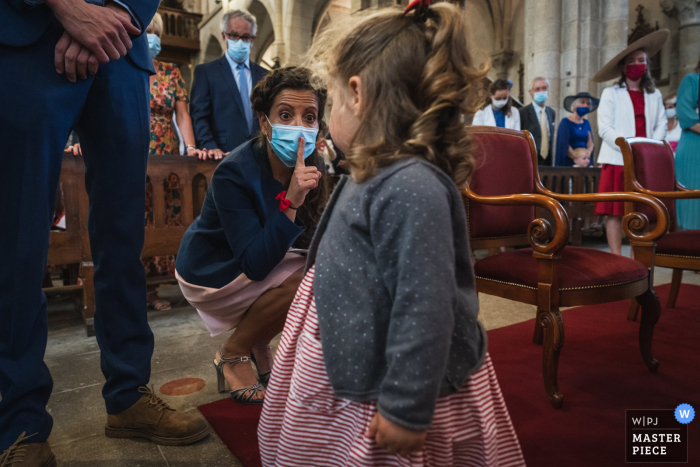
651,44
568,100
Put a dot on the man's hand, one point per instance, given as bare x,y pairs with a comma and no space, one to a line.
73,59
394,438
104,31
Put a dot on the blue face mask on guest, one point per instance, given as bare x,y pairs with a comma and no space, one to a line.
238,50
285,141
541,97
153,45
581,111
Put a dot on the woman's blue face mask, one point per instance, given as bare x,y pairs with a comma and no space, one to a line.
153,45
581,111
285,141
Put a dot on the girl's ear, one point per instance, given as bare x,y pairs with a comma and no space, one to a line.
355,85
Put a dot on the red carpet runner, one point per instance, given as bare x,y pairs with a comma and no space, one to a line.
601,373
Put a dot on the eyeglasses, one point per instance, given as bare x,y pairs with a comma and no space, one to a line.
245,37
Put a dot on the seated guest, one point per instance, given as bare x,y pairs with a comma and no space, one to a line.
234,265
168,96
499,109
538,119
575,131
673,135
221,109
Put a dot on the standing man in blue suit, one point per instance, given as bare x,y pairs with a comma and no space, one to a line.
72,64
220,106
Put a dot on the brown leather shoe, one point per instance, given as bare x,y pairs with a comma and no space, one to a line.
28,455
151,418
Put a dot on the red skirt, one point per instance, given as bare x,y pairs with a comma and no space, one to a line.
304,423
612,179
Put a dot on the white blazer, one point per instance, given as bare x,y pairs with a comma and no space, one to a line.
485,117
616,118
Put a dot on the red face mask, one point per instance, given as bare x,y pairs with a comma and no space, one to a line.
635,72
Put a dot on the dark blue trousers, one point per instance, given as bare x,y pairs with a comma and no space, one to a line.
110,112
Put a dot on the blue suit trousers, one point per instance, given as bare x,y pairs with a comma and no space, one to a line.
110,113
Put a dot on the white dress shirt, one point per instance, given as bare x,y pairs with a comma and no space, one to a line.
237,72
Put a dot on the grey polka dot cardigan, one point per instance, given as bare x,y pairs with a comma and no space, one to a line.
394,291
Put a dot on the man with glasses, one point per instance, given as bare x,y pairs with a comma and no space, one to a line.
220,106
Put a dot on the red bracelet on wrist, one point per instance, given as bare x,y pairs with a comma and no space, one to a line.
284,202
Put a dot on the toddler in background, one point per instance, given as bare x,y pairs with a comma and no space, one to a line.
382,360
581,157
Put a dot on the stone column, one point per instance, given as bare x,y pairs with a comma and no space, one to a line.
613,31
543,32
543,29
688,12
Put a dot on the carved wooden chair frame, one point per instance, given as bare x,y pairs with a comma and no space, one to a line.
546,246
677,263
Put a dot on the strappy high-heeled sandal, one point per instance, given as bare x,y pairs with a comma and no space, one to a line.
264,377
243,395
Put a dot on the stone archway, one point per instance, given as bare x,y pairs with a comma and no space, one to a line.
213,50
265,34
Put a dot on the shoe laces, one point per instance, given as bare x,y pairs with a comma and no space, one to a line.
153,399
15,453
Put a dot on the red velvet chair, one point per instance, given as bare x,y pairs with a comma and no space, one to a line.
650,169
500,201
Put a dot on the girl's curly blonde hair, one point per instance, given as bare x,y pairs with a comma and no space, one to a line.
418,82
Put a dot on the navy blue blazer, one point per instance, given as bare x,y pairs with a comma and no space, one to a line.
22,24
241,229
216,107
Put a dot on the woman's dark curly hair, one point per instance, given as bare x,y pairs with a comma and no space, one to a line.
263,98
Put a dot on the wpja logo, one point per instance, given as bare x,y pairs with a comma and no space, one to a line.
658,435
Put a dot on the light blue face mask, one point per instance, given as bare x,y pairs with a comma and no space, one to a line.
541,97
153,45
238,50
285,141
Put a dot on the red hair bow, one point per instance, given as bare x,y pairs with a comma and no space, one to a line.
417,5
284,202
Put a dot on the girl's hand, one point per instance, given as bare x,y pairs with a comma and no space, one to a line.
304,179
394,438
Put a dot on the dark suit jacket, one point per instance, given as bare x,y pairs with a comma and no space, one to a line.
241,229
22,25
529,122
216,106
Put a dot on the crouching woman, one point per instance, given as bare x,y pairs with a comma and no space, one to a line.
234,265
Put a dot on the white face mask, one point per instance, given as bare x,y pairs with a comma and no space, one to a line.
670,113
499,104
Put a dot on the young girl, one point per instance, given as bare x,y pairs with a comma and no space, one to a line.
499,110
382,360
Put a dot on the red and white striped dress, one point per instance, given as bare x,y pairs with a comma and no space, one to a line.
303,423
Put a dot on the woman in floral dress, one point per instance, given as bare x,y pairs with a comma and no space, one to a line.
168,95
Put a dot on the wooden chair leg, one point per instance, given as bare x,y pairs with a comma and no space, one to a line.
651,310
633,310
538,335
675,288
553,326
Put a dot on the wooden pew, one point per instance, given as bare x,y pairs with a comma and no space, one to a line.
73,245
572,180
